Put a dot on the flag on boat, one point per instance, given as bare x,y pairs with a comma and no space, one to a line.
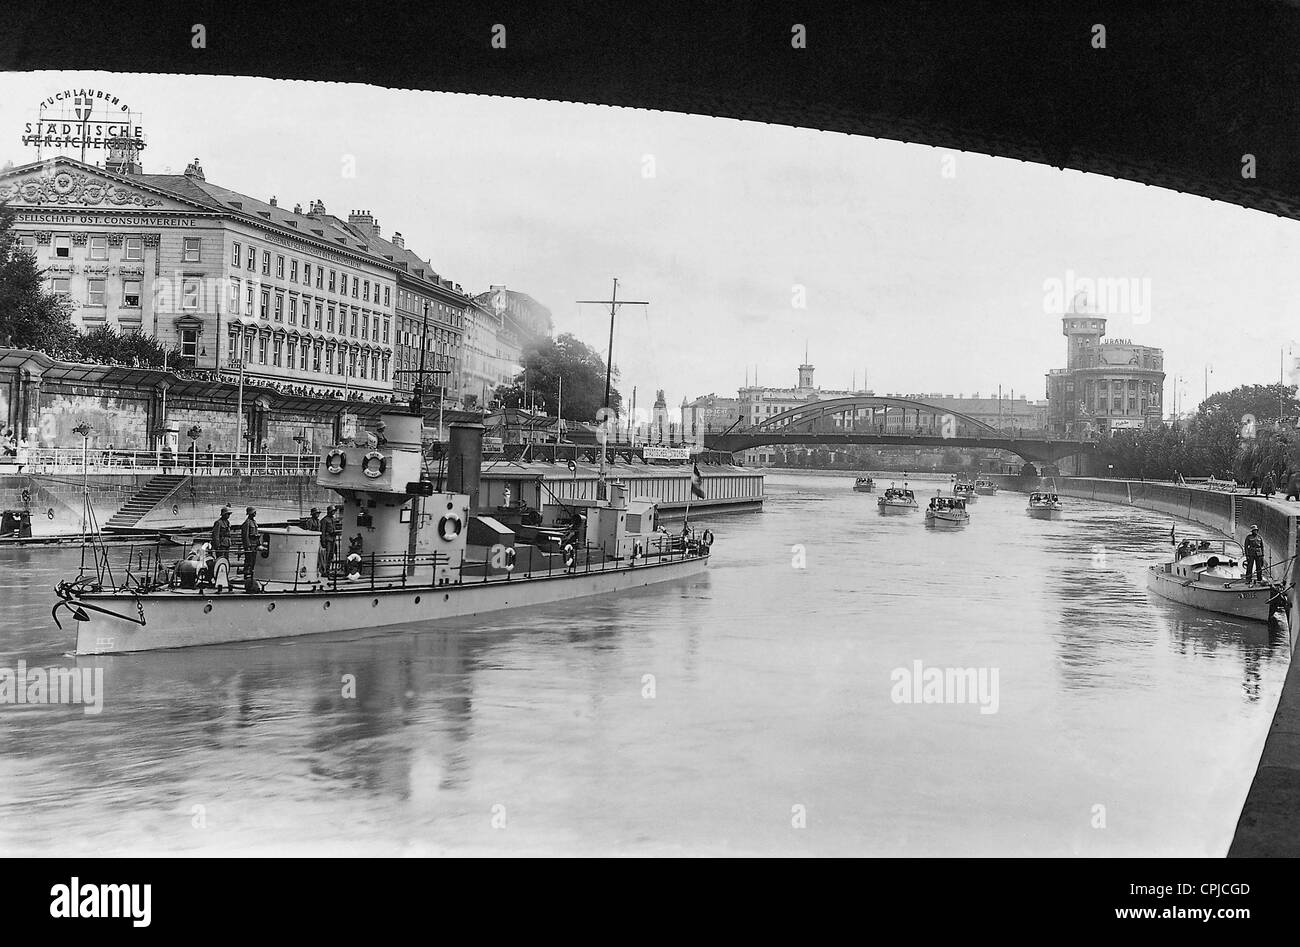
1173,537
697,481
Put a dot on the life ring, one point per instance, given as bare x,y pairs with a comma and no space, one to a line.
707,538
27,496
50,513
373,464
450,522
335,461
570,555
510,558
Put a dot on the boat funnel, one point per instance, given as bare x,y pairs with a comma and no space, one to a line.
465,460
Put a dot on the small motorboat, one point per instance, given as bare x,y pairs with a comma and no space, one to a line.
1211,576
1044,506
986,488
864,485
964,490
897,500
946,511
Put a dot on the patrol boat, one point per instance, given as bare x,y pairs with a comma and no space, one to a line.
864,485
417,554
1211,576
1044,506
897,500
964,490
986,488
946,511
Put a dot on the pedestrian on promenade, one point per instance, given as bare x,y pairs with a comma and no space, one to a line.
1254,486
1270,486
1254,548
252,539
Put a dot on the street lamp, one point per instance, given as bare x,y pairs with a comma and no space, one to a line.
85,431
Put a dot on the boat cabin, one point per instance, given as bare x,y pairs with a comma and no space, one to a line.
947,503
899,493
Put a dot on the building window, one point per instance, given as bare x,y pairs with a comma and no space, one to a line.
385,331
293,271
329,325
189,343
62,286
63,246
329,361
131,293
291,355
191,249
385,367
315,357
235,257
332,276
252,259
365,324
303,350
352,363
374,330
320,275
353,333
248,309
293,311
279,307
190,294
355,287
276,347
98,247
387,295
374,366
266,262
306,274
266,305
279,267
363,366
95,295
316,324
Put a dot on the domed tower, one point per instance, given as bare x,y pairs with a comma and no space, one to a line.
1084,329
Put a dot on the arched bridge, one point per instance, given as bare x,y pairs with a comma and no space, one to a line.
1200,96
891,422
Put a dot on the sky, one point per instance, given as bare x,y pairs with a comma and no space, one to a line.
929,270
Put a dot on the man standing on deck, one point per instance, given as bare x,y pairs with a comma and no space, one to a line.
251,537
329,530
221,534
312,522
1254,548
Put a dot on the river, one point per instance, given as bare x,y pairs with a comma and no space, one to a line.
756,710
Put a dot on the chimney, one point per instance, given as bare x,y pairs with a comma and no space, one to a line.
364,221
297,209
317,208
194,170
398,241
273,203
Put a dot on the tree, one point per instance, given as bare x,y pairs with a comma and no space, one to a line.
548,360
1251,403
30,318
106,346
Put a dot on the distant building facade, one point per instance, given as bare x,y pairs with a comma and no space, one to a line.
1106,386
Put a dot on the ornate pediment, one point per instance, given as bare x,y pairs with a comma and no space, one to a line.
75,186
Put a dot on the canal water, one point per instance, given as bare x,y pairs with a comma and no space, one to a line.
764,708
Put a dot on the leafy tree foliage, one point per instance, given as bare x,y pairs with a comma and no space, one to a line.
30,317
582,368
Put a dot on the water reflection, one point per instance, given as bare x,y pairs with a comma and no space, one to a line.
688,718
